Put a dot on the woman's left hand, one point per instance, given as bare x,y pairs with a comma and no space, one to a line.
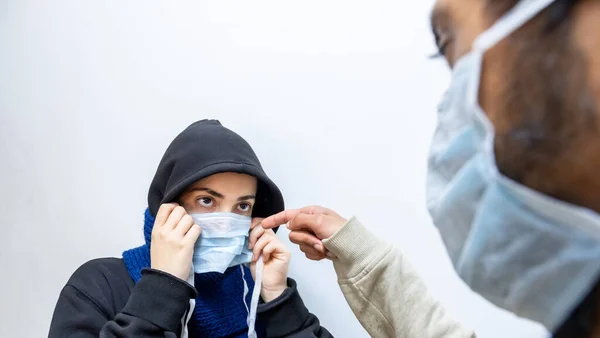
276,258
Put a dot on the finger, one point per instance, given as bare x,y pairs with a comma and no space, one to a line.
310,222
315,209
260,245
192,235
279,219
256,221
184,225
315,257
304,237
309,250
287,215
269,250
174,217
163,214
255,234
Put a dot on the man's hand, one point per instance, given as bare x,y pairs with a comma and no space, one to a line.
308,226
173,238
276,258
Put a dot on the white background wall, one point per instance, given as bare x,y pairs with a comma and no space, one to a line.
337,97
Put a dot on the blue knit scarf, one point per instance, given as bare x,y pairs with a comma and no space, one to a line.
220,310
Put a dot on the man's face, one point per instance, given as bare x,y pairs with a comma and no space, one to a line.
540,87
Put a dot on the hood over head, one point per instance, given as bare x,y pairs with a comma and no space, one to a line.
206,148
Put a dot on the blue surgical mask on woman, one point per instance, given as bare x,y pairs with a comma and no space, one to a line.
223,244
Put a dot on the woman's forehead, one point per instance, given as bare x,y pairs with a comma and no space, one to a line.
227,182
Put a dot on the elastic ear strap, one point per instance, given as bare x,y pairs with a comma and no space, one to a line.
186,317
246,290
254,299
516,17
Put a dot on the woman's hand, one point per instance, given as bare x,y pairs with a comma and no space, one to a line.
276,258
173,238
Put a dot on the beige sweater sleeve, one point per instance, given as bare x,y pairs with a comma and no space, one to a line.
384,291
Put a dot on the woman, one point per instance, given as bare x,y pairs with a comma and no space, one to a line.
189,278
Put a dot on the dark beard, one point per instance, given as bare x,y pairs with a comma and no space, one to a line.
549,109
552,108
582,321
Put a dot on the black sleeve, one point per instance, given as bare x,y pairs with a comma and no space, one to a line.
155,308
287,316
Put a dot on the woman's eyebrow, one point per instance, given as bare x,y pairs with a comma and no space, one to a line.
247,197
209,191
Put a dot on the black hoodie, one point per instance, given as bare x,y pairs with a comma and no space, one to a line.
203,149
102,300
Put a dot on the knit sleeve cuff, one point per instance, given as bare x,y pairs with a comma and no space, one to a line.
285,314
356,249
160,298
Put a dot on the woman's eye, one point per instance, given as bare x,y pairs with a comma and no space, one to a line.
205,201
244,207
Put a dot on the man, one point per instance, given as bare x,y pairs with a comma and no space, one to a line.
513,180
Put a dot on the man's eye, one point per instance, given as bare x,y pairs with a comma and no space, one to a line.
442,48
205,201
244,207
442,42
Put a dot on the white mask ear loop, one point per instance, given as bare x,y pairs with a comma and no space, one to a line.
251,320
186,318
516,17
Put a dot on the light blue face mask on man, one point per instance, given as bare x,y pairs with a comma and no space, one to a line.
223,244
526,252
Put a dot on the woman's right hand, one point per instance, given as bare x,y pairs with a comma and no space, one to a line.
173,238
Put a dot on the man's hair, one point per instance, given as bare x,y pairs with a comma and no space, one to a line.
558,11
581,322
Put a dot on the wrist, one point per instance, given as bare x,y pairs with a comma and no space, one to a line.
335,226
270,294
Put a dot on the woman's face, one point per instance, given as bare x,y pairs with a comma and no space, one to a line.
224,192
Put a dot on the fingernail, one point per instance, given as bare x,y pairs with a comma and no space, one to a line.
318,247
